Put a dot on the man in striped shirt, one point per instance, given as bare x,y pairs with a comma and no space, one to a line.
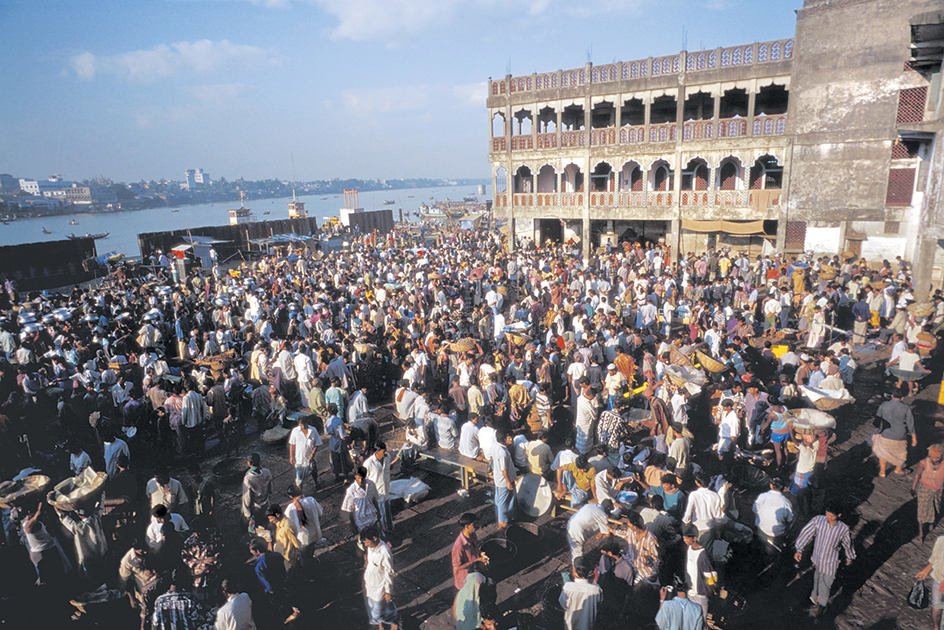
828,534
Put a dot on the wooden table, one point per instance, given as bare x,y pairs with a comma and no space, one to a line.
451,462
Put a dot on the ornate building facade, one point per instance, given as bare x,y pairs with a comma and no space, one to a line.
824,142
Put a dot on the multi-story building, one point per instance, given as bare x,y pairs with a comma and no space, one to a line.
822,142
195,178
51,187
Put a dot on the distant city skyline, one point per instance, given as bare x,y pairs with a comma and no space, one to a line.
308,89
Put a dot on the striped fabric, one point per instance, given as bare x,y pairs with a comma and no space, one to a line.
828,540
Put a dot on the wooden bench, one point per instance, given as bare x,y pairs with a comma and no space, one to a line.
452,464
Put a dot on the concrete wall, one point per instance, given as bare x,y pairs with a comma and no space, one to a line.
848,70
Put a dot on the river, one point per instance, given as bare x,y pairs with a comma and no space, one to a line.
124,227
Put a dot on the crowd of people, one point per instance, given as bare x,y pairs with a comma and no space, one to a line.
537,361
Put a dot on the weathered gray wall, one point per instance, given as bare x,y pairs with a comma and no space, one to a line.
848,70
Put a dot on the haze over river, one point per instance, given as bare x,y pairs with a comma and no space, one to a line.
124,226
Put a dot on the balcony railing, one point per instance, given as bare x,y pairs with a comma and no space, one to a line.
632,134
732,127
770,125
573,138
664,132
698,129
547,140
693,130
522,143
600,137
746,55
760,199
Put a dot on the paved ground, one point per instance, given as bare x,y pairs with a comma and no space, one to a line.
870,594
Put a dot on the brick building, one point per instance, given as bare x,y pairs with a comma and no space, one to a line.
823,142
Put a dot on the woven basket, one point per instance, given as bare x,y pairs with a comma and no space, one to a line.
921,309
677,358
710,364
12,492
465,344
517,339
78,493
828,274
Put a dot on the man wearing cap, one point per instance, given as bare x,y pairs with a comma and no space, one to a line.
613,383
927,486
729,427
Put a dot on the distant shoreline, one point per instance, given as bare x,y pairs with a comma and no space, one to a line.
224,198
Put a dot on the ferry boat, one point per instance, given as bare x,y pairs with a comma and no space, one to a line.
296,208
242,214
389,202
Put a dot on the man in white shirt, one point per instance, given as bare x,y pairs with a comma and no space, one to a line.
303,443
305,369
774,512
487,438
405,399
115,447
378,471
588,522
729,428
581,597
469,438
159,516
236,613
704,508
361,502
304,517
378,583
503,476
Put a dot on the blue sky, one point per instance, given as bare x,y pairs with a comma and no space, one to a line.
145,89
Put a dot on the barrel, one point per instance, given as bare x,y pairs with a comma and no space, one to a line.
527,537
552,613
501,557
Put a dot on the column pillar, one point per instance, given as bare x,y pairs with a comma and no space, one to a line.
588,166
751,108
926,243
509,176
716,114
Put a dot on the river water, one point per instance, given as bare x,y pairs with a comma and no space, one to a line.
124,227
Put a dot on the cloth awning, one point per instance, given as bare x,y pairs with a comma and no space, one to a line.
729,227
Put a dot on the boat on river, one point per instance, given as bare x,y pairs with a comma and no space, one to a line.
75,237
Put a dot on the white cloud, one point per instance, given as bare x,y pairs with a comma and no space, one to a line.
365,20
471,95
200,56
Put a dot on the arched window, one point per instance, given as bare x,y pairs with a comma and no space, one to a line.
547,179
601,180
728,175
662,177
631,178
572,179
524,182
498,125
766,173
695,176
501,180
